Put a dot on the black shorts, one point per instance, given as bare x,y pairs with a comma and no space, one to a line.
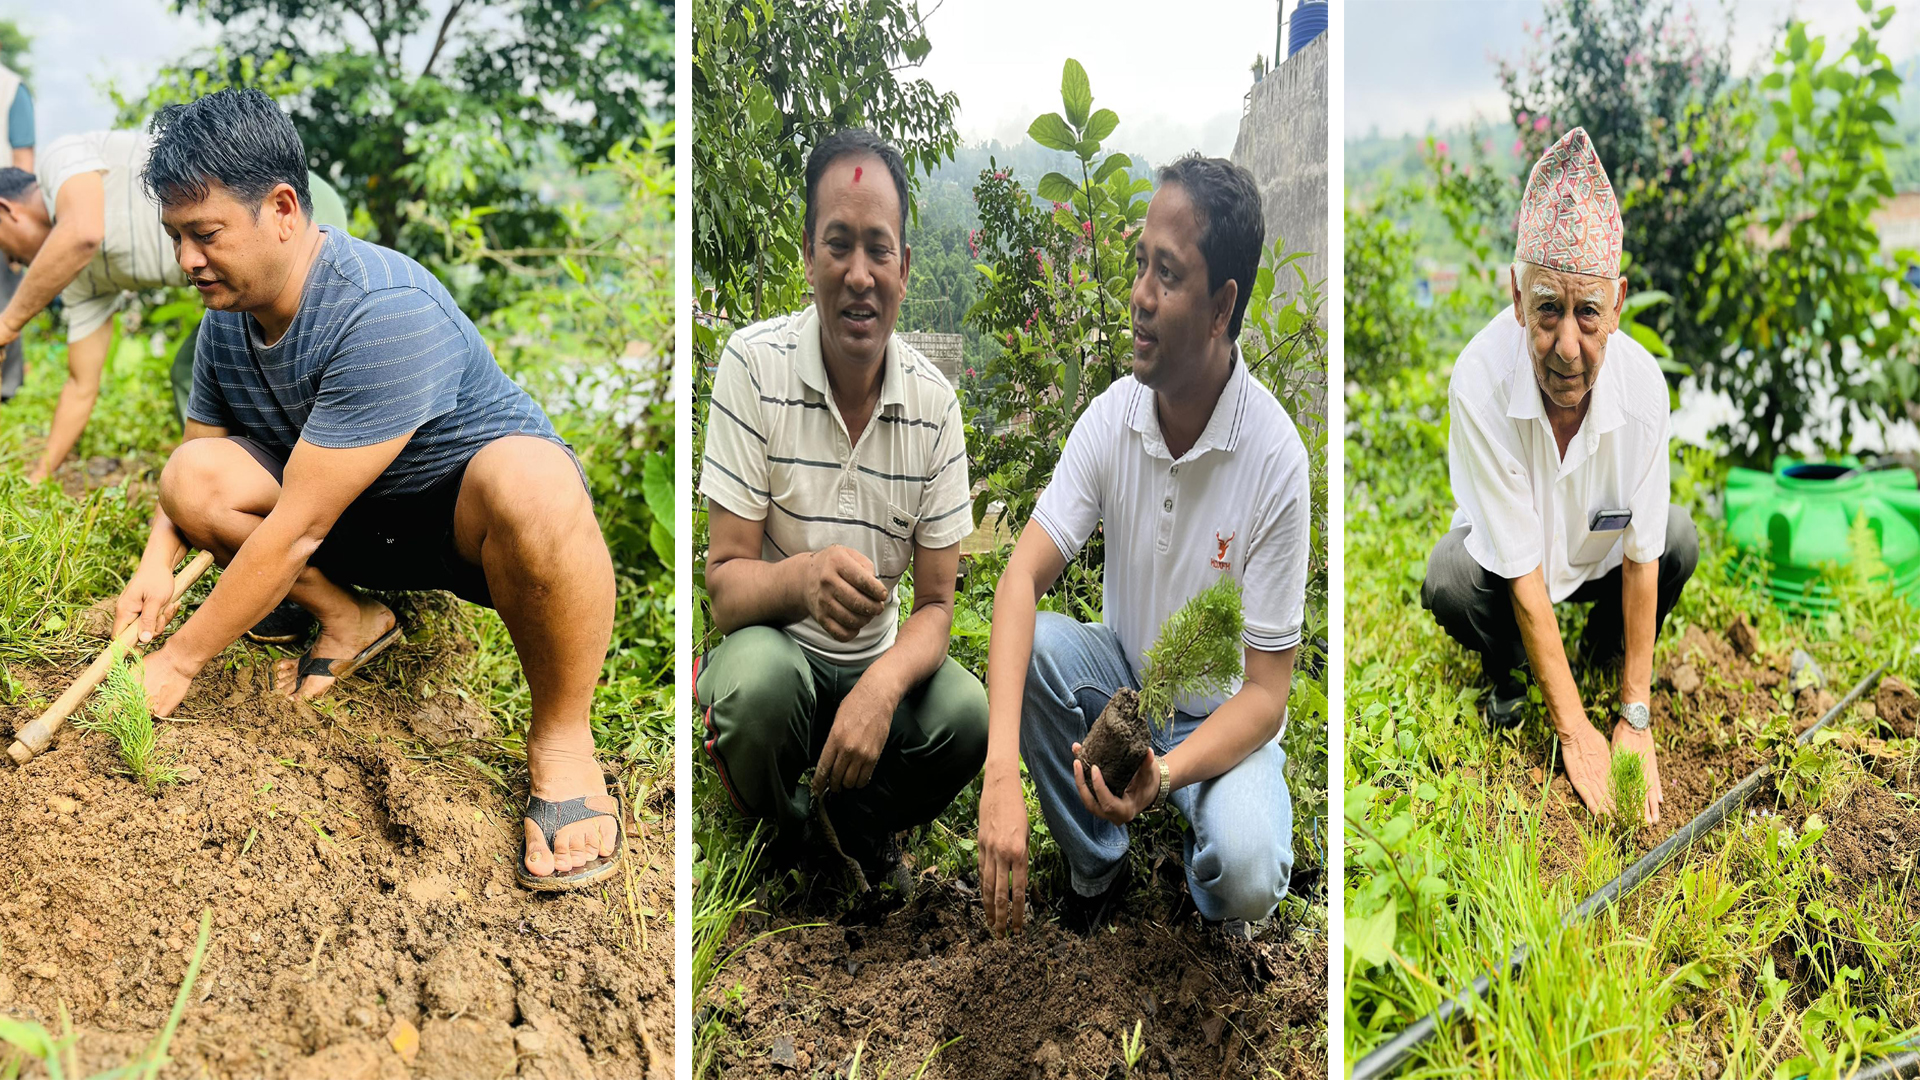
395,543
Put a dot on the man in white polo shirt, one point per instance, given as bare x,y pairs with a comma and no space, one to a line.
835,459
1558,458
1195,471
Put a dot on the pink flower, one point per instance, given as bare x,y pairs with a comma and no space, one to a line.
1440,148
1539,123
969,373
1087,227
1521,119
1519,147
1686,155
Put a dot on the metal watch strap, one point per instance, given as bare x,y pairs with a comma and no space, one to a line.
1166,784
1637,715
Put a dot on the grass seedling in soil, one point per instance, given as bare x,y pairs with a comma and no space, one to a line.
1627,782
1198,652
1132,1048
56,1053
120,710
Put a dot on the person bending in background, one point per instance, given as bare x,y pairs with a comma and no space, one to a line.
16,125
835,459
89,233
1557,454
350,430
1193,470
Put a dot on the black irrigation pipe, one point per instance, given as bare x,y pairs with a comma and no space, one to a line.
1388,1057
1906,1064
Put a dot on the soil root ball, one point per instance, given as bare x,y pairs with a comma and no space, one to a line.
1898,706
1118,741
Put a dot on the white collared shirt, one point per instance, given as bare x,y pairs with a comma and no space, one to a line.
1239,502
777,451
1527,507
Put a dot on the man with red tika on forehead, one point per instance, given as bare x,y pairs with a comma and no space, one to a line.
1558,459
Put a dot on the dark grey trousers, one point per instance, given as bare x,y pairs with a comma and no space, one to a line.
13,366
1475,606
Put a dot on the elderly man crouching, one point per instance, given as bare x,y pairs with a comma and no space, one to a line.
1558,458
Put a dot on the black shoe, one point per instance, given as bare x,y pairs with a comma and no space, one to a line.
288,624
1083,915
1504,701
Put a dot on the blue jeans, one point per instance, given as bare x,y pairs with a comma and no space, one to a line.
1239,852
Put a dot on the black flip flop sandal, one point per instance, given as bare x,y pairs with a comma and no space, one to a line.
311,665
551,817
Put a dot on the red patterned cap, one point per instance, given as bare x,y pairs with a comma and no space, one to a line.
1569,219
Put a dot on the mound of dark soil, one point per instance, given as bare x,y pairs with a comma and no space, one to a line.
1044,1004
363,900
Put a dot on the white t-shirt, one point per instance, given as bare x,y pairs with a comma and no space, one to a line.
777,451
135,252
1523,503
1239,502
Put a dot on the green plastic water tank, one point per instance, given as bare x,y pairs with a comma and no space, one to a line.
1799,517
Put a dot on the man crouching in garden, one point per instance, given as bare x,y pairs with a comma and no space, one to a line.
1194,471
1558,458
349,429
835,458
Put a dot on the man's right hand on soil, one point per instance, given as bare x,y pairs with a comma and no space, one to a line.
147,598
841,592
1003,851
1586,757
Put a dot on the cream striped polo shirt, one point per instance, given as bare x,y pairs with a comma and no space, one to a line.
777,451
136,252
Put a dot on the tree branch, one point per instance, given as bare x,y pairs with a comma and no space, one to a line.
440,39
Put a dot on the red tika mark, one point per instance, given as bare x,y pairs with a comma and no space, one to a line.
857,170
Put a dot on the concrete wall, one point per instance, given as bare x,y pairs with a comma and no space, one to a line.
1283,142
947,352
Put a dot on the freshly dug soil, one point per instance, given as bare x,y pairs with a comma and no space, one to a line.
1118,741
362,895
1046,1004
1898,706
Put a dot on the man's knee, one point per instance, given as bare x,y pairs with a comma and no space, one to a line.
955,714
527,487
758,677
197,484
1250,874
1451,585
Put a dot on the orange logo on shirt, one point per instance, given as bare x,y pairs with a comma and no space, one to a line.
1220,558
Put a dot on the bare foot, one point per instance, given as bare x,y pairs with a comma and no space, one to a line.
341,639
564,769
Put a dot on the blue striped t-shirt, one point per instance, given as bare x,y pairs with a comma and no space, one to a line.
377,349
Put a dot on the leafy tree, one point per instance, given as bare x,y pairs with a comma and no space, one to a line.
414,113
1056,302
1386,329
1815,307
770,80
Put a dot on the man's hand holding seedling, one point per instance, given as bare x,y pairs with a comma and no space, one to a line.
1639,605
1129,804
148,600
1583,750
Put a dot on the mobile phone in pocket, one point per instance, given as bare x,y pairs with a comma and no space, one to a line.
1606,529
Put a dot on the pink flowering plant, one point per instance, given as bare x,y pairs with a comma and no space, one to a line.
1054,306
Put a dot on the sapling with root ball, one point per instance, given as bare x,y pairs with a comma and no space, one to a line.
1198,652
1627,780
121,710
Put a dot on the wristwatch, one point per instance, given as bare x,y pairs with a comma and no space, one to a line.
1166,785
1636,714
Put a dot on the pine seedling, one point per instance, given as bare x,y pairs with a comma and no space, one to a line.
1627,778
120,709
1198,652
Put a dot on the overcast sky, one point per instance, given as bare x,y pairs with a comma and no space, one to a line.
78,46
1176,83
1415,62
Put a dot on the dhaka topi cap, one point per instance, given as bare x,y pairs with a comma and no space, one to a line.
1569,220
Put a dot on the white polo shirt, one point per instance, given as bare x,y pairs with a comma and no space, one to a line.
1523,504
136,252
1239,502
777,451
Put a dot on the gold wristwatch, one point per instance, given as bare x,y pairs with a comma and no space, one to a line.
1166,785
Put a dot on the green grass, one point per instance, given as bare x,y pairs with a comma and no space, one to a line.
1446,830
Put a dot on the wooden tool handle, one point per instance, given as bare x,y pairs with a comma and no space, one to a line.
37,735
